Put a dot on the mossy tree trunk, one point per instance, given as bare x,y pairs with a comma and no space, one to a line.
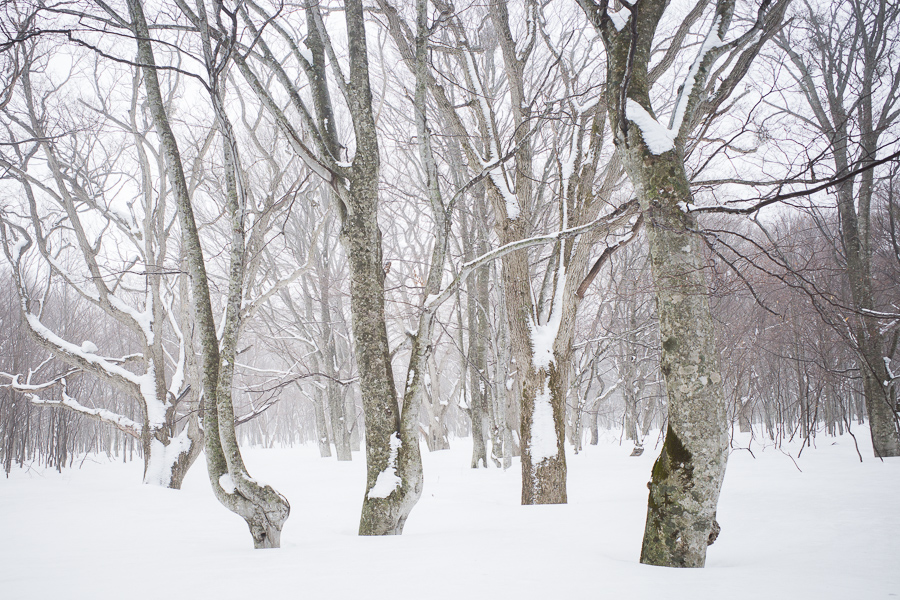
688,474
392,446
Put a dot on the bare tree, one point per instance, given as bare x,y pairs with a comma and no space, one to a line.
264,509
111,252
844,60
687,476
536,172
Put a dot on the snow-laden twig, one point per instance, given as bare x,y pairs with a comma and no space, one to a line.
616,219
103,415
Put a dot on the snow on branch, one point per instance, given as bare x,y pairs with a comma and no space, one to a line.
713,40
31,391
493,165
657,137
617,218
79,354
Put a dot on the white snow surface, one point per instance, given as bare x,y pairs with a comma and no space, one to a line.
830,532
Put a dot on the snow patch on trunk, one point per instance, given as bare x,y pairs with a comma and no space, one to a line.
227,483
388,480
543,429
163,458
543,336
156,407
711,42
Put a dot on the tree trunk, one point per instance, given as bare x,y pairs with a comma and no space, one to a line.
321,424
477,317
264,509
687,476
339,433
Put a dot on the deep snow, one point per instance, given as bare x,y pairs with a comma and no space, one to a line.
830,531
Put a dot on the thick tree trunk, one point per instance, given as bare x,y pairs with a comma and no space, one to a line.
167,458
393,463
362,238
594,426
544,466
687,476
883,420
502,415
338,423
744,421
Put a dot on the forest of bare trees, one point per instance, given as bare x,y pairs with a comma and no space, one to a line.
384,227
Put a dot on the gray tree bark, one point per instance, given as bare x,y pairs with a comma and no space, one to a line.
263,508
688,474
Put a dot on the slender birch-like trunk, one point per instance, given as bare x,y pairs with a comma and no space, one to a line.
264,509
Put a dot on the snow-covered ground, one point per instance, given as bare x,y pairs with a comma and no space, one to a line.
825,527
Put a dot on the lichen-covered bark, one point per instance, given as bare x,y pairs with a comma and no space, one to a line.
264,509
688,474
362,239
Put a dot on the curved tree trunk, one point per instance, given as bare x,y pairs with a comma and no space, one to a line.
687,476
264,509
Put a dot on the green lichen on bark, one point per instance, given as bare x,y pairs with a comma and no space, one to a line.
674,457
665,542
